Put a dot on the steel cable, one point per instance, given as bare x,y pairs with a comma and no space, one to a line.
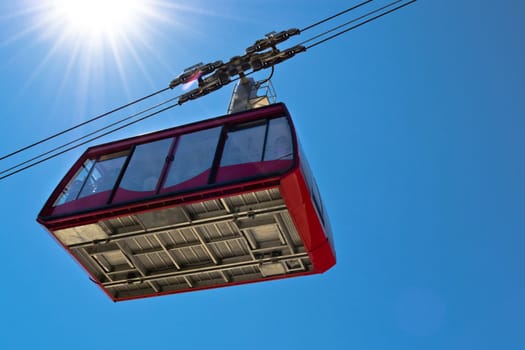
10,171
362,23
336,15
82,124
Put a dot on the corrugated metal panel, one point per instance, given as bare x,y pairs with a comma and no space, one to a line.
290,227
232,239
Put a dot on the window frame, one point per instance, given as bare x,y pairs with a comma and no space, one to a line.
161,173
128,146
171,166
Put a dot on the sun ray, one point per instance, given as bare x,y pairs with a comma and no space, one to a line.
139,62
72,61
92,42
43,63
36,27
115,49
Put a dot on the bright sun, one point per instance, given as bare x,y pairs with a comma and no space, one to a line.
93,42
100,20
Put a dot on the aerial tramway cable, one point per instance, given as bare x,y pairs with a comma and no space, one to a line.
348,23
364,22
268,42
84,143
88,135
335,16
83,123
10,171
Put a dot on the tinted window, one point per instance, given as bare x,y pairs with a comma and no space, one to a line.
279,141
104,174
74,186
193,157
244,146
145,166
312,185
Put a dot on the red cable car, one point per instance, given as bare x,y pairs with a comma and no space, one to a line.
220,202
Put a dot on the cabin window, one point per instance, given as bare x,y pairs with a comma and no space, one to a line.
193,159
256,149
103,175
74,186
312,187
244,146
145,166
278,141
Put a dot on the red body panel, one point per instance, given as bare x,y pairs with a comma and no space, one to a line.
307,220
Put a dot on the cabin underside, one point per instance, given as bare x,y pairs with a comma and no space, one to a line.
230,240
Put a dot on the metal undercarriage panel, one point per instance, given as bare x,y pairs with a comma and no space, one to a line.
217,242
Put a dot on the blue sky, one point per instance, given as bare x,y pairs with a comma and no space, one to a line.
413,126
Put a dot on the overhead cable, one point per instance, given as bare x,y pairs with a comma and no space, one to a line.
183,78
210,77
88,135
82,124
362,23
34,161
87,141
336,15
350,22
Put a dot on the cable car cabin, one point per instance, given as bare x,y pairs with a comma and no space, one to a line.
220,202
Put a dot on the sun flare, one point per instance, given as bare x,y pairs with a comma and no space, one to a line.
92,45
99,19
